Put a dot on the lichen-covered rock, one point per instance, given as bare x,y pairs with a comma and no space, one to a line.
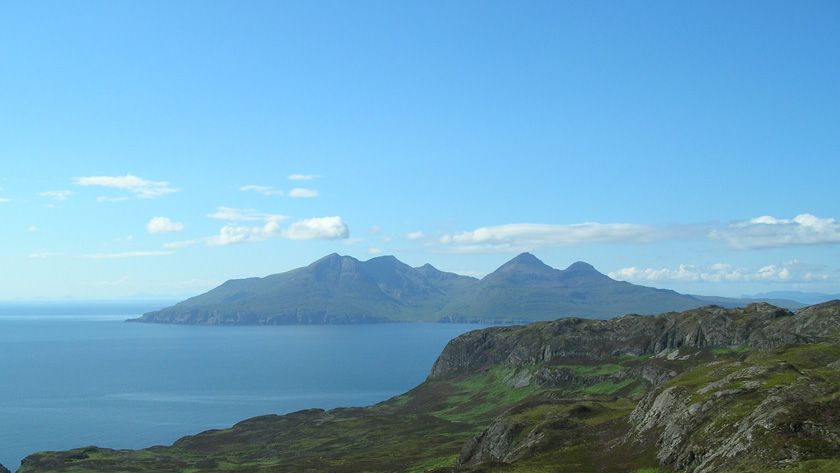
764,415
493,443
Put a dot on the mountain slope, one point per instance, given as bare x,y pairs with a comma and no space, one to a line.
526,289
334,289
341,289
706,390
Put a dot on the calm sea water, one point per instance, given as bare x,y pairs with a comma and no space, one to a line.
76,374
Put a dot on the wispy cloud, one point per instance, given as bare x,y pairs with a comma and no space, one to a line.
415,236
163,225
56,195
303,177
771,232
141,188
245,215
118,282
761,232
300,192
325,228
790,271
128,254
111,199
180,244
3,199
531,236
44,255
264,190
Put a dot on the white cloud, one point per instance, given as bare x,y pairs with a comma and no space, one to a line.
415,236
163,225
230,234
300,192
530,236
721,272
325,228
32,228
140,187
127,254
56,195
374,251
2,199
245,215
771,232
264,190
303,177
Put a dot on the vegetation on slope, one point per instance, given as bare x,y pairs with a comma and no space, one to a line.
752,389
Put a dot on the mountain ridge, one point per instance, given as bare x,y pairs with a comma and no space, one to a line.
341,289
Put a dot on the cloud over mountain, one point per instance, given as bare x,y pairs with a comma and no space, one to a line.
325,228
512,237
790,271
771,232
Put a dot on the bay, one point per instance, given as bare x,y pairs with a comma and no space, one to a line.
76,374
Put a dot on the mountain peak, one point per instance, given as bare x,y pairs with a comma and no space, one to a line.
581,267
524,264
524,260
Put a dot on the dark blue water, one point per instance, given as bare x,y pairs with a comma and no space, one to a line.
80,375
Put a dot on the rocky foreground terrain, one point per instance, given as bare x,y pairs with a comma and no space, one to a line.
706,390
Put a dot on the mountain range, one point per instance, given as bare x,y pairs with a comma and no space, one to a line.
341,289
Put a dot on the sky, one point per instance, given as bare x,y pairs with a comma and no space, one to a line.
158,149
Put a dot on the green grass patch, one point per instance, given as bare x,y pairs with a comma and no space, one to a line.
608,387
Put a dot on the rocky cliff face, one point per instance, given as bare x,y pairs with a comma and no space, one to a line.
700,413
759,326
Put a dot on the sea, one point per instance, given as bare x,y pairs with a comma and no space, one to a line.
74,374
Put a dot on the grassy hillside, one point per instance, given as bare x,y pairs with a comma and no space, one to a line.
678,395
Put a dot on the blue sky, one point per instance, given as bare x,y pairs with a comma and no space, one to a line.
164,147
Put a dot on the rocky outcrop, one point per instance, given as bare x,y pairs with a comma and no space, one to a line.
741,418
724,415
494,443
759,326
3,469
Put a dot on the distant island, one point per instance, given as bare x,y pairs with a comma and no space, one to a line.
343,290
